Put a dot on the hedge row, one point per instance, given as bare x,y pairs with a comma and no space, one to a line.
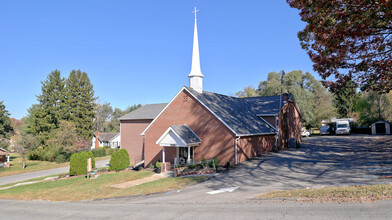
78,163
103,151
119,160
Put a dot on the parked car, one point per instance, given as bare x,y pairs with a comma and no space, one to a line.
343,127
305,133
325,130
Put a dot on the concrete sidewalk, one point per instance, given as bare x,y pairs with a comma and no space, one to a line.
26,176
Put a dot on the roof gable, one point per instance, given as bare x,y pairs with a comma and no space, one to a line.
179,136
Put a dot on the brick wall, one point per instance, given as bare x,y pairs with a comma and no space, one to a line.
252,146
291,125
131,140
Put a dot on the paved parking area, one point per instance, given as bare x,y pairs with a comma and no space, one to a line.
321,161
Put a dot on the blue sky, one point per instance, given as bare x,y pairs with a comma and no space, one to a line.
140,51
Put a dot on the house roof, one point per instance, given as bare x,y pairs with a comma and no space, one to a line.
186,134
107,136
236,113
145,112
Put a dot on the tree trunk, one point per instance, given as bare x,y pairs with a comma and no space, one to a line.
23,161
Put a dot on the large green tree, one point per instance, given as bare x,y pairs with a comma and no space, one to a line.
81,102
51,108
373,106
345,98
5,126
103,114
312,98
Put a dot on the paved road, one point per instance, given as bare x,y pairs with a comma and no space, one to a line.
322,161
63,210
42,173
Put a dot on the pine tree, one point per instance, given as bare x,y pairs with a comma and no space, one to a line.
346,98
51,107
5,126
80,100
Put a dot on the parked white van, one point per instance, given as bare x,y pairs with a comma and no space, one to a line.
343,127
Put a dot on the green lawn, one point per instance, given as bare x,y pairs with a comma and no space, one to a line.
80,188
360,193
32,165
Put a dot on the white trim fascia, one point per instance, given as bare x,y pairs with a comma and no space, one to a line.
193,144
160,113
259,134
268,123
212,112
164,134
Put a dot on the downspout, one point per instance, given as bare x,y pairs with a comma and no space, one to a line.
235,150
143,150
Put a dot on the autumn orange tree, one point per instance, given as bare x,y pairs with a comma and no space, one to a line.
350,40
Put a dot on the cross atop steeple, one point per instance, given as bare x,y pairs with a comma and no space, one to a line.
195,12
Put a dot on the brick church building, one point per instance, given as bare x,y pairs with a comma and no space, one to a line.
198,124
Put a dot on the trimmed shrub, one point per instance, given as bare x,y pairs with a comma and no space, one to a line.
108,151
119,160
99,152
78,164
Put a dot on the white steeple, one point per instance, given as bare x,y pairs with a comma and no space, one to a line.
196,77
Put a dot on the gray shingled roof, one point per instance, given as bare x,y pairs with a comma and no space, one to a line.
186,134
267,105
236,113
107,136
145,112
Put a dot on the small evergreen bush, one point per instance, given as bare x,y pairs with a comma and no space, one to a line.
77,165
119,160
99,152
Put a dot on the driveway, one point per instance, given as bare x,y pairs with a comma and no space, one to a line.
42,173
321,161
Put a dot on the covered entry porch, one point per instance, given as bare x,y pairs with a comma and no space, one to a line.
178,145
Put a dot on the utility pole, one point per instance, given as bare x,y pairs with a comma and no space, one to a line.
282,73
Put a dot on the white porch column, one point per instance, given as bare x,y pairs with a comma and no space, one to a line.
189,155
8,158
163,154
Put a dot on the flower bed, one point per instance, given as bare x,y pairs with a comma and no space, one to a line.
181,172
